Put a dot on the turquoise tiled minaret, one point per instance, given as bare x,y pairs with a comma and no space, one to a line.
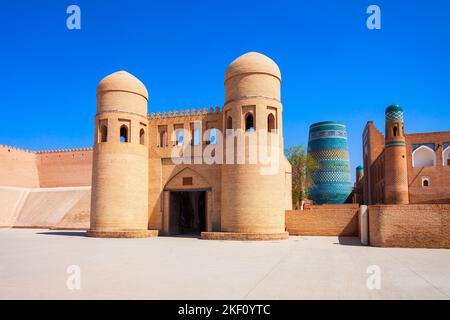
328,146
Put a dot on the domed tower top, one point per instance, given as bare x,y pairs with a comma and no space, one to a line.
122,81
394,122
121,91
252,62
252,75
394,113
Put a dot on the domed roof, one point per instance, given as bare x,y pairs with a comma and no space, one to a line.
394,108
122,81
252,62
359,168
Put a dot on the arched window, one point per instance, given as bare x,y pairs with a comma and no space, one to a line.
446,156
142,137
124,134
423,157
104,133
229,123
270,123
249,123
395,130
425,182
163,139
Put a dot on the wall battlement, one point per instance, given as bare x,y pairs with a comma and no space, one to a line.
8,148
63,150
184,113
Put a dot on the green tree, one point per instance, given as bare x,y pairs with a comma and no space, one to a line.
303,165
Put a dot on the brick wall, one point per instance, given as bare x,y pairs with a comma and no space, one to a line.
65,168
45,169
326,220
413,226
438,176
18,168
373,147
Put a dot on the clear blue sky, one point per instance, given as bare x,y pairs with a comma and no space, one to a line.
333,67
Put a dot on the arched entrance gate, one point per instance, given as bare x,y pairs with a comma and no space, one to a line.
187,204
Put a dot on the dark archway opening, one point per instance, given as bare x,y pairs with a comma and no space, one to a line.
249,123
124,134
187,212
270,123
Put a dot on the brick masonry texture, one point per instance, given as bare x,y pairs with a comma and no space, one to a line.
412,226
336,220
123,234
387,171
45,169
244,236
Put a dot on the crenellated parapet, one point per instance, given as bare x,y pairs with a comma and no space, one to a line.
184,113
63,150
9,148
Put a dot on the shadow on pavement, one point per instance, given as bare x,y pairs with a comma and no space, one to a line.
349,241
64,233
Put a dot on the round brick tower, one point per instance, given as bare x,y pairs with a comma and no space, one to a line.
253,192
395,167
119,202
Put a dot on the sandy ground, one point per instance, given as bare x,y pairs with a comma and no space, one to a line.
34,264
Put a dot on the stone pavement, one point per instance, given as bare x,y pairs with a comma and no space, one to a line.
34,263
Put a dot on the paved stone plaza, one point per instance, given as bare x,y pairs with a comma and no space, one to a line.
33,264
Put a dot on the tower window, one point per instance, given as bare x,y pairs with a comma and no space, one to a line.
104,133
395,129
270,123
229,123
142,137
124,134
249,123
425,182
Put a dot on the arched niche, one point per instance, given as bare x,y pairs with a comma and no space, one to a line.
423,156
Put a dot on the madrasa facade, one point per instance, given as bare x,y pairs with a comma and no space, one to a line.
403,168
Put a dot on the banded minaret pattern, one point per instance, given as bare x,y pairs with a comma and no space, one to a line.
395,169
328,146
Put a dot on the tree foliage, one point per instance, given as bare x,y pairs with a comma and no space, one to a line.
303,164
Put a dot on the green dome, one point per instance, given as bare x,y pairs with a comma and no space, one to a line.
394,108
359,168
